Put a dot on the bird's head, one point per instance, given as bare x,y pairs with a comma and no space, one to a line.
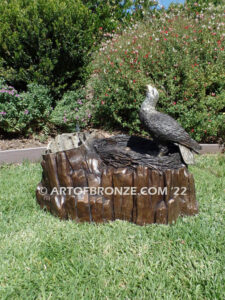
152,94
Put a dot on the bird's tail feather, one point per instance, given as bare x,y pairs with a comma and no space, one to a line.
187,155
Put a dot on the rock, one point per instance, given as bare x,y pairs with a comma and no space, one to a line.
67,141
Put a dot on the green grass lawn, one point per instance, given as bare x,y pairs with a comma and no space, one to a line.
42,257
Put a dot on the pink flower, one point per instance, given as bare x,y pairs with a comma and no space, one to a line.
2,113
174,103
26,112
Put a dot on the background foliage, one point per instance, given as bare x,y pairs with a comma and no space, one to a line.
46,42
92,59
205,3
25,112
50,42
182,54
73,111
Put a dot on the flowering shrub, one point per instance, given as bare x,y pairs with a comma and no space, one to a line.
71,111
179,51
198,5
26,112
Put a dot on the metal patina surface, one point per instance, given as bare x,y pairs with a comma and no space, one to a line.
122,163
163,128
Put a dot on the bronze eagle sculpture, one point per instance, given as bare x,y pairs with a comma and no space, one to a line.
164,129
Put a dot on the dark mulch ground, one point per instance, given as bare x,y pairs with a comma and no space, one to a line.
21,143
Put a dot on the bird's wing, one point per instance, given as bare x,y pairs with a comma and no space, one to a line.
168,129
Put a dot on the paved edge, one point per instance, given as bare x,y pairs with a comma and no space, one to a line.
211,148
20,155
35,154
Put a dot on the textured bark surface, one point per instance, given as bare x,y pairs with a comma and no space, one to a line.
131,151
160,189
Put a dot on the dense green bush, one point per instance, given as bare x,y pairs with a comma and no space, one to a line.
47,42
72,111
26,112
179,52
111,14
50,42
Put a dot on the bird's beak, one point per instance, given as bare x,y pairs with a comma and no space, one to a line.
148,88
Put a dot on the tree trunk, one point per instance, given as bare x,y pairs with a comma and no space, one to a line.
109,179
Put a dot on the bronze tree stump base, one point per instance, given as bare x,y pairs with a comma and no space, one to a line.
154,189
